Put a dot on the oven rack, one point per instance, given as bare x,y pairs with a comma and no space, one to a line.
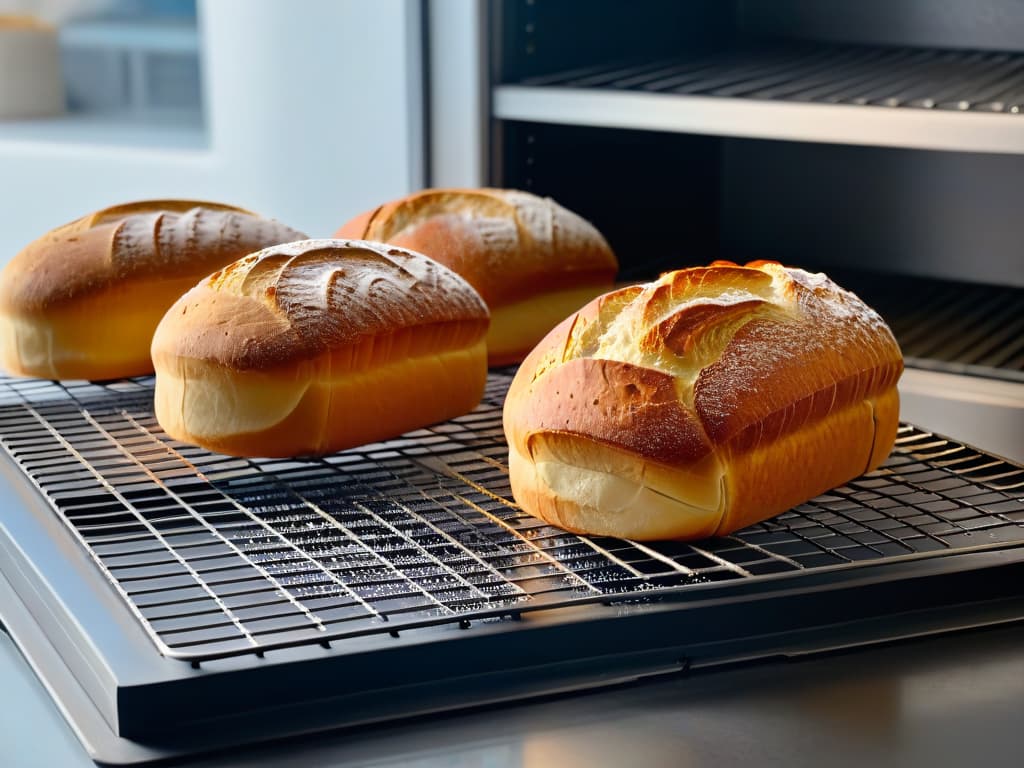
953,327
851,94
218,557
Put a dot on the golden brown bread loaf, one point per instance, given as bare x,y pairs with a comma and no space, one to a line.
316,346
701,403
532,261
83,300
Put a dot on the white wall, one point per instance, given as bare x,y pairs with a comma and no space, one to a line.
313,109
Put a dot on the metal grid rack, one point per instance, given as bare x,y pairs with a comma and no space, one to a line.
953,327
982,81
218,556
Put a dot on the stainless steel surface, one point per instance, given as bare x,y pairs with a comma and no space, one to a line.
979,411
949,701
459,94
217,556
861,95
890,77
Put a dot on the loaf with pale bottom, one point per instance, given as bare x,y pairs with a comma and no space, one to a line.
706,401
319,345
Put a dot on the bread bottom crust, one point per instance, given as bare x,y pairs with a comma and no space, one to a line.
305,411
517,327
106,336
588,487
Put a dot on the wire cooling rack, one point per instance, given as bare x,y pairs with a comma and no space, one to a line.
219,556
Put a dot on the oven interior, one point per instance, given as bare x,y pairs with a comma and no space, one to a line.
797,131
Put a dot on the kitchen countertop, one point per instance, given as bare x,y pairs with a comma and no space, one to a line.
952,700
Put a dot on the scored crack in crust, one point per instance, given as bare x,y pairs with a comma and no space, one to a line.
702,402
297,301
135,241
83,300
502,241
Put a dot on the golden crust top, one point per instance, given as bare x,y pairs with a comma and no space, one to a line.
143,240
502,241
300,300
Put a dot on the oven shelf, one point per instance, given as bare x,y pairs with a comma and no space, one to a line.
948,326
895,97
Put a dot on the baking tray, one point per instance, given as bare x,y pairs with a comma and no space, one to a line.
176,600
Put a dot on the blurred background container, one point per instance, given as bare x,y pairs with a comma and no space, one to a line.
30,75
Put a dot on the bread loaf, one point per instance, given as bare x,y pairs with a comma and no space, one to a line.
83,300
319,345
701,403
532,261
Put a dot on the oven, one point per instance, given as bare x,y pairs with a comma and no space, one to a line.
879,142
175,601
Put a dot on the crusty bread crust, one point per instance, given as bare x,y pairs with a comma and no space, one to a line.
512,247
776,383
83,300
318,345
